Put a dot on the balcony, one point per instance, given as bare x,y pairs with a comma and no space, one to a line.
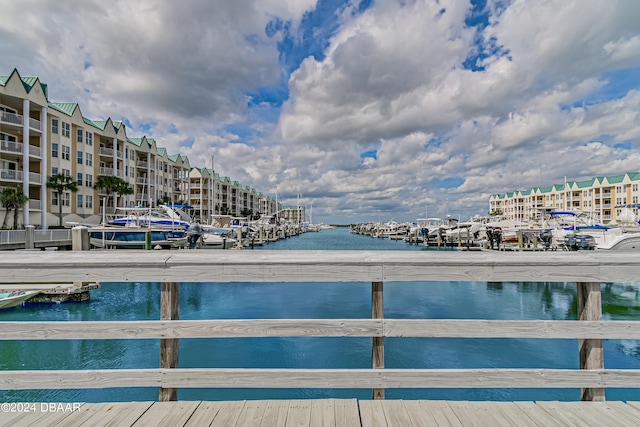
11,175
106,151
35,151
105,171
11,118
142,164
34,204
11,146
34,178
35,124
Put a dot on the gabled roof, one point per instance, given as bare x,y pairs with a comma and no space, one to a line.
135,141
67,108
616,179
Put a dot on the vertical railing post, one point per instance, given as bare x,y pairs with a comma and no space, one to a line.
169,310
377,354
591,351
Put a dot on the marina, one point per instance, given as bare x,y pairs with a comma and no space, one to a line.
240,342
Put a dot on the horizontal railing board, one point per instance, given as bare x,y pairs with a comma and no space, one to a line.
191,329
318,266
564,329
319,378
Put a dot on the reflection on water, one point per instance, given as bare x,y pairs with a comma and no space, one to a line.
432,300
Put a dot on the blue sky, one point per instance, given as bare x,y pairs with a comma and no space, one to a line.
368,109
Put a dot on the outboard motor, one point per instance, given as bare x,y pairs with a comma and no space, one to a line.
497,236
546,236
489,232
585,242
570,242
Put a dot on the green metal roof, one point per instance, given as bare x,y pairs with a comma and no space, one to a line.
135,141
173,157
161,151
67,108
585,184
616,179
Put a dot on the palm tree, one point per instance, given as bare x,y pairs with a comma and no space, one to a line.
112,184
12,199
61,183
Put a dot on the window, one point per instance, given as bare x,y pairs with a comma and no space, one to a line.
79,201
126,170
634,187
89,159
88,180
79,182
65,199
54,199
66,130
79,133
54,171
54,125
66,172
79,157
89,202
89,138
66,153
54,150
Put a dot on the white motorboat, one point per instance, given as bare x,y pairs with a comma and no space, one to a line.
131,237
217,238
15,298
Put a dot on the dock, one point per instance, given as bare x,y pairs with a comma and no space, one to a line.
330,412
590,377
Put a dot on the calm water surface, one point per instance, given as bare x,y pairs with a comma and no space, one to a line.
435,300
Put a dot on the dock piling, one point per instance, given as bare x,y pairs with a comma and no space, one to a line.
169,310
377,354
591,351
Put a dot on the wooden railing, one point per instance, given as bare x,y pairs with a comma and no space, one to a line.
587,269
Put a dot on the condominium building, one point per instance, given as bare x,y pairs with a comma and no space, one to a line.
39,139
603,196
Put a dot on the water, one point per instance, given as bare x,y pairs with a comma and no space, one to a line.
439,300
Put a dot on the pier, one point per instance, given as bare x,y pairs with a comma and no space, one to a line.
587,269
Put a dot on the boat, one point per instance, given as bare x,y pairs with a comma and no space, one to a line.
131,237
169,217
217,238
12,299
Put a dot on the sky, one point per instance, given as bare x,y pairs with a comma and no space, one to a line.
360,110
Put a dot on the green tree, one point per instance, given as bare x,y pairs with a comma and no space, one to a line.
12,199
59,184
112,184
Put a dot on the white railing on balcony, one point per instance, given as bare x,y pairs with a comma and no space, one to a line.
34,204
106,171
11,146
119,154
141,180
35,151
35,124
34,178
12,118
142,164
11,175
12,236
106,151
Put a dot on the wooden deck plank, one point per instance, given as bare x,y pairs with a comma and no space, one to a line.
514,415
504,413
635,405
347,412
539,415
473,414
571,414
418,414
117,414
251,414
228,414
627,412
323,413
299,413
396,413
167,414
204,414
372,414
39,417
441,412
275,413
